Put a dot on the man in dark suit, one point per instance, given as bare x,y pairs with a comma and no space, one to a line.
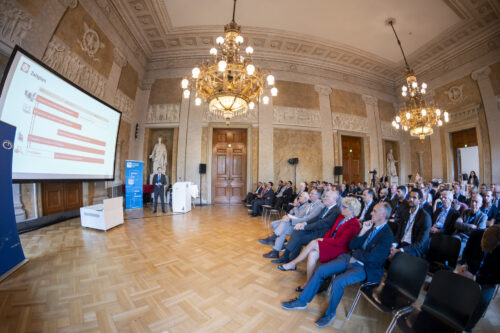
305,232
370,248
267,199
470,220
367,207
413,234
444,218
252,195
458,193
384,195
481,261
159,181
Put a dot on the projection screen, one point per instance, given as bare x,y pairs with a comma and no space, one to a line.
63,132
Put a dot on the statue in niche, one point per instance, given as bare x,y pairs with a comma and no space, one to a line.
159,156
391,165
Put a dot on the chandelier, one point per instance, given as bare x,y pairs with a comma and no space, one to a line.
416,115
229,82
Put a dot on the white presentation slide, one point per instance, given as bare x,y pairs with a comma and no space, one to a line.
62,132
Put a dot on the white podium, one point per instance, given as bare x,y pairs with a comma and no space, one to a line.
103,216
181,197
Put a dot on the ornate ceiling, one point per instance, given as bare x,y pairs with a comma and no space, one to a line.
331,35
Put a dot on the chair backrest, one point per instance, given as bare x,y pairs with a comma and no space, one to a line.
452,298
407,274
444,249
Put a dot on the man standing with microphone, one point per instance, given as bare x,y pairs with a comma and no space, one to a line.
159,181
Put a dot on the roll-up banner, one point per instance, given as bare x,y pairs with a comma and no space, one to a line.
11,251
133,184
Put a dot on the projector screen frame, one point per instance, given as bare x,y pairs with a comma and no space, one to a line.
18,49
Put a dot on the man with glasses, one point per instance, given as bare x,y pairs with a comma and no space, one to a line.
489,208
444,218
470,220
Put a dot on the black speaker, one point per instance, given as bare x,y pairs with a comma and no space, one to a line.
337,171
293,161
203,168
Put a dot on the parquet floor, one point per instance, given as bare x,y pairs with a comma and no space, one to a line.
199,272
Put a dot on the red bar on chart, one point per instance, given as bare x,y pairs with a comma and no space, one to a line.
61,156
61,144
56,106
80,137
56,119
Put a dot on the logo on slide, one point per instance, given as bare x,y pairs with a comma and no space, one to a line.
25,67
7,144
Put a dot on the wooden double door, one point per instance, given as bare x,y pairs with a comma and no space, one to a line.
61,197
352,159
229,165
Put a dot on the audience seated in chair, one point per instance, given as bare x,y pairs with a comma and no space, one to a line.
305,232
334,243
251,196
302,188
444,217
265,198
370,249
414,228
470,220
481,262
368,203
283,195
489,208
304,212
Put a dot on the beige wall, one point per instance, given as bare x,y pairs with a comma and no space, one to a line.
166,91
295,94
347,102
306,145
495,78
128,81
416,145
32,6
386,110
470,94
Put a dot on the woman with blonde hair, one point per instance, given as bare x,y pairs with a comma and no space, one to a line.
334,243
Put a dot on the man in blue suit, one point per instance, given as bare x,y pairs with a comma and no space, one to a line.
366,262
159,181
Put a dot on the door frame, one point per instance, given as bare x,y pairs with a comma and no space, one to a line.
211,126
364,151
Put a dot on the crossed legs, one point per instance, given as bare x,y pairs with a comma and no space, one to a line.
311,252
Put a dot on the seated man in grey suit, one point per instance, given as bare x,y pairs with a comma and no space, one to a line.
305,232
470,220
303,213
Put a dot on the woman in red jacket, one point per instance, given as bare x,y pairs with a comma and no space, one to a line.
334,243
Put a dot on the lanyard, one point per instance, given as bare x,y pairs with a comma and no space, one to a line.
338,225
325,212
482,261
471,218
310,207
371,235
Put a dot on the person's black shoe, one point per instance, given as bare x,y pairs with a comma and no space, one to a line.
269,240
299,289
254,215
154,211
281,260
163,211
281,268
272,254
325,320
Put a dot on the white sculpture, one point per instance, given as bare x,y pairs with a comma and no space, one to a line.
159,156
391,165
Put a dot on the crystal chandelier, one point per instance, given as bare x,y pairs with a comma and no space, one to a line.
415,115
229,82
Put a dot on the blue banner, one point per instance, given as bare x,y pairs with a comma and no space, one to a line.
11,251
133,184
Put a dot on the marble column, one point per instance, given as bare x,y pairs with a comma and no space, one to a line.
45,24
136,151
327,149
182,139
193,144
18,205
266,140
375,134
119,61
492,118
420,163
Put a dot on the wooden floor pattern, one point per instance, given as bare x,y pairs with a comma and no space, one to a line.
199,272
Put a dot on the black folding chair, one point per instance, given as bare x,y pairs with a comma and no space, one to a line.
400,289
448,306
443,253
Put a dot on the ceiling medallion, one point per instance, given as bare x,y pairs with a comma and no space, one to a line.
229,82
415,115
